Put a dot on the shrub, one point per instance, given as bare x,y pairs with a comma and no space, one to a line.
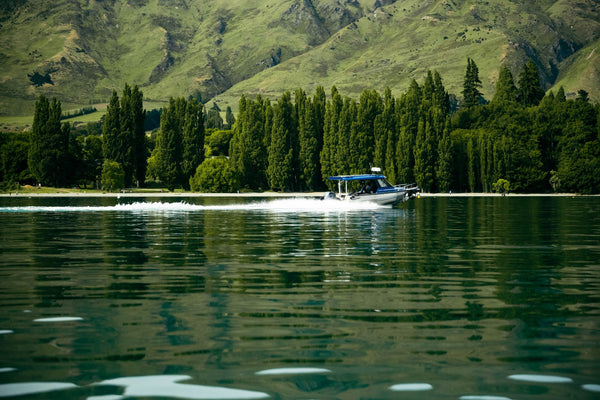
214,175
113,176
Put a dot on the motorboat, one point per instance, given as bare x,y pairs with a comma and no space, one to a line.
373,188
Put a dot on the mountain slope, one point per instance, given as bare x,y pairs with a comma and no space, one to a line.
400,42
80,50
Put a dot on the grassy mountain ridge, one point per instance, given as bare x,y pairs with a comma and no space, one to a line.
80,50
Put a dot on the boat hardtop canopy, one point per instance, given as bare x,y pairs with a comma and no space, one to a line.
364,177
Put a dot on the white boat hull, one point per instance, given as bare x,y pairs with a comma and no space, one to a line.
382,199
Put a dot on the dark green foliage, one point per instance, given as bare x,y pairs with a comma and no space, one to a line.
125,138
472,84
283,149
213,118
152,120
14,149
530,90
308,136
408,115
345,156
218,142
386,136
113,176
506,91
139,147
331,121
362,144
179,144
248,147
193,141
579,155
444,160
425,153
124,134
91,158
112,128
49,144
38,79
215,175
229,118
169,143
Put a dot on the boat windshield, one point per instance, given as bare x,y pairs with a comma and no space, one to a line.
383,183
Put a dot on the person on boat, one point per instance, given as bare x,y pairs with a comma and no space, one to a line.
363,187
371,187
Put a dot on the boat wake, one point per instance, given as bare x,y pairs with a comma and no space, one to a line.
277,206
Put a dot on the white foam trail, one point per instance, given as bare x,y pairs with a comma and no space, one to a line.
58,319
484,398
169,386
5,331
7,369
293,371
21,389
411,387
591,387
540,378
279,206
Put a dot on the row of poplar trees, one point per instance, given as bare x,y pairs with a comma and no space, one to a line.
535,142
298,145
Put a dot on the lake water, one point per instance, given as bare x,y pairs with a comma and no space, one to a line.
229,298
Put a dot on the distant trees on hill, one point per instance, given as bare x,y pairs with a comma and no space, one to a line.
531,141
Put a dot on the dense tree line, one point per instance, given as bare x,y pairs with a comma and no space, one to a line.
522,140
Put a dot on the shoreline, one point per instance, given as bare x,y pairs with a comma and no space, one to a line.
266,194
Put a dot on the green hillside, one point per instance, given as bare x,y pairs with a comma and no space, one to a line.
79,51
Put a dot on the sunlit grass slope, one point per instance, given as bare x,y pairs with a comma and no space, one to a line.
222,49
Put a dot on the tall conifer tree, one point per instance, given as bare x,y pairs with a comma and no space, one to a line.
408,120
283,150
443,169
309,148
125,138
425,154
193,141
140,153
112,128
471,92
530,89
331,122
248,147
506,91
168,143
49,144
369,107
345,154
